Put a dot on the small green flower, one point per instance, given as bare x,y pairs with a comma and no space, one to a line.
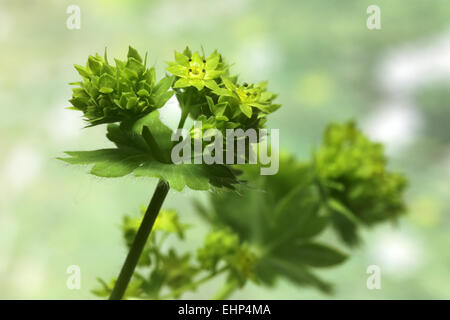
243,264
248,96
223,247
169,222
195,70
219,244
177,269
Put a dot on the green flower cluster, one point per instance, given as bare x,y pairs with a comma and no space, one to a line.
223,246
127,97
124,92
204,87
354,169
207,92
165,273
218,244
167,222
169,269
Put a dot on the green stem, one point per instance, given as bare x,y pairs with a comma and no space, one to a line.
227,290
139,241
190,286
184,105
184,115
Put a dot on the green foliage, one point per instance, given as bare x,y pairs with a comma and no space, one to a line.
280,216
127,96
164,273
272,228
345,186
148,155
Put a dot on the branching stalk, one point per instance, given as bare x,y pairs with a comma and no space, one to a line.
191,286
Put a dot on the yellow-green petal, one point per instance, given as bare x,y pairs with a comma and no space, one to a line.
181,83
199,84
197,60
211,84
212,74
181,59
178,70
213,61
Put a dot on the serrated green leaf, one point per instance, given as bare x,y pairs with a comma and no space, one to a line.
145,150
194,176
126,139
119,167
88,157
108,163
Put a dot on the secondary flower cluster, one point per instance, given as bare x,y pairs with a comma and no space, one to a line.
354,168
164,272
205,87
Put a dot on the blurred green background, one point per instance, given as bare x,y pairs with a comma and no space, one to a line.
318,55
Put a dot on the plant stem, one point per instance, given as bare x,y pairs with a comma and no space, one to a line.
184,115
190,286
185,105
139,241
